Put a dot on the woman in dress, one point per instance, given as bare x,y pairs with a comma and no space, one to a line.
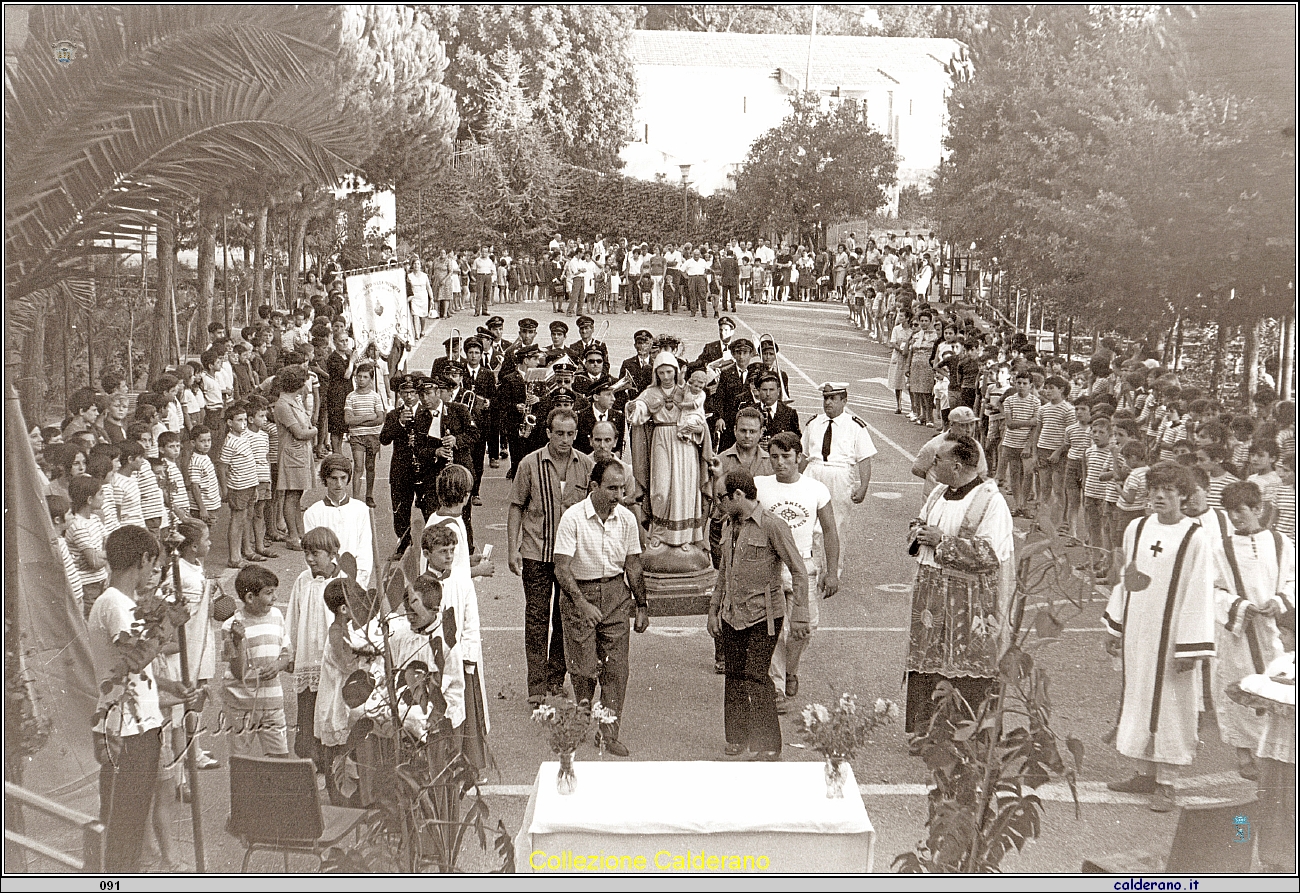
418,281
297,434
899,340
920,373
669,469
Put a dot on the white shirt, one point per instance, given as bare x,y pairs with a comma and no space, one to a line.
850,440
114,613
797,504
673,258
598,548
764,255
351,523
695,266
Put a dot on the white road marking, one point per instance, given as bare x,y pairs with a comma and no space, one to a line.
888,495
1089,791
875,432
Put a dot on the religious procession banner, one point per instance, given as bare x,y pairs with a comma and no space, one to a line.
377,304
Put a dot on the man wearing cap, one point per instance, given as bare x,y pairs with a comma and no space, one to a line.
451,348
494,344
599,409
838,449
559,392
716,350
444,433
516,399
527,336
480,381
728,268
404,472
557,348
962,422
731,394
777,416
592,371
587,342
767,351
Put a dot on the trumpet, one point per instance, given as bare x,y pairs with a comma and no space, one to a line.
626,383
722,364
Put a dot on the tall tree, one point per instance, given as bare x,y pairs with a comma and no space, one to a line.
577,69
753,18
817,166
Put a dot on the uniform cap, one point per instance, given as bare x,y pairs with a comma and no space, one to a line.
526,324
643,335
560,326
585,322
834,389
495,321
962,415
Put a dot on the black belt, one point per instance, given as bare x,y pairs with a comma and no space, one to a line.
608,579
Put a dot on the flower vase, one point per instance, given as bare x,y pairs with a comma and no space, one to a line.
835,778
566,782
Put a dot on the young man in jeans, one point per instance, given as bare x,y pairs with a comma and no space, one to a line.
128,726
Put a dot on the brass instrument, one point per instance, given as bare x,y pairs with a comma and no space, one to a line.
722,364
457,352
534,381
626,383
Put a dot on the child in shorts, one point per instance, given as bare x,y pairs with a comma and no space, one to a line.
256,645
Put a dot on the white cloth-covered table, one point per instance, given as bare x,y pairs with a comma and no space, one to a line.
678,816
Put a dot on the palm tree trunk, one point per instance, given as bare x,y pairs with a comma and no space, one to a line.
31,384
1286,370
298,232
207,267
259,255
1250,366
1220,354
160,332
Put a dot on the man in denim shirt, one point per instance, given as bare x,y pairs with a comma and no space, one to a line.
746,613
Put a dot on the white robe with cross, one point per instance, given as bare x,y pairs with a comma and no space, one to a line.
1172,616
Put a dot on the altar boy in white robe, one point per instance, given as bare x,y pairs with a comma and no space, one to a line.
1160,619
1261,588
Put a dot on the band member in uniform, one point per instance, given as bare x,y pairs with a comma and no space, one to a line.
404,473
586,341
557,347
482,383
593,370
444,433
838,450
767,351
600,409
452,354
494,344
527,337
639,367
731,393
516,401
716,350
777,416
559,391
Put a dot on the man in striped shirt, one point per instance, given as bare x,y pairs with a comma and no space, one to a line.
1020,418
241,483
257,649
1051,446
547,482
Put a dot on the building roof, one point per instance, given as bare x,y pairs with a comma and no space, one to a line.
846,61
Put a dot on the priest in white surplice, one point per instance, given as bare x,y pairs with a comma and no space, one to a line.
1160,619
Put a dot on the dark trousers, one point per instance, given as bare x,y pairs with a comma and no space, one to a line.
729,298
599,653
697,293
749,704
403,492
479,453
482,293
518,449
493,438
127,779
305,743
543,628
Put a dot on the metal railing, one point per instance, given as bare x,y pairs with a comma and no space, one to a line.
91,860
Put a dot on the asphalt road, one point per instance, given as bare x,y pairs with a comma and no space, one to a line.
674,702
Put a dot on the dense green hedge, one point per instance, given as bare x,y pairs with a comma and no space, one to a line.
620,206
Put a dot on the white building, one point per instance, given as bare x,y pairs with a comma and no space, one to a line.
703,97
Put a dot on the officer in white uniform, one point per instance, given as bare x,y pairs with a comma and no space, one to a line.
838,449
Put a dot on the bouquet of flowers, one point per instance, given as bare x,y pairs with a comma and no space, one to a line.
837,733
568,724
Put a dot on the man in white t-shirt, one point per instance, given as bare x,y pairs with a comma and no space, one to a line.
805,505
128,721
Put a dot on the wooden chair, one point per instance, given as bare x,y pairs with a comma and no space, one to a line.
1205,842
275,806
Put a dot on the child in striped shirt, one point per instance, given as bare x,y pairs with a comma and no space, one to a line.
175,488
101,465
1051,447
85,535
126,487
1077,438
1096,459
256,645
258,410
241,483
1132,503
60,508
1284,499
203,474
153,507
